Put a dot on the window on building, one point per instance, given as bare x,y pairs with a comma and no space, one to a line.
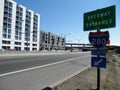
16,32
17,18
5,25
27,39
9,20
19,38
27,44
20,23
10,9
36,17
34,49
3,47
21,9
5,14
16,37
20,33
29,13
34,39
9,36
6,9
21,14
10,4
4,36
5,19
20,18
17,43
3,42
6,2
34,44
6,42
18,48
9,25
10,15
6,47
9,31
4,30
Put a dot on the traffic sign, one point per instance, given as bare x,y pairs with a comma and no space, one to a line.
99,62
98,52
98,39
100,18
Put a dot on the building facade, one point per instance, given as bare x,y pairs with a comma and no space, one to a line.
50,41
19,27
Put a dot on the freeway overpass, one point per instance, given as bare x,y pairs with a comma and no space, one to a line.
78,46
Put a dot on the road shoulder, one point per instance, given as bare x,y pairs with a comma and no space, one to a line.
87,79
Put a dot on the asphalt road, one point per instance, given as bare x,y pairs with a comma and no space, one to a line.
14,63
41,77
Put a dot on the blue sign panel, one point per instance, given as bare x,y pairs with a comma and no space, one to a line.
98,52
98,62
98,39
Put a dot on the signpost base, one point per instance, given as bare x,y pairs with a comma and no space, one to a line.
98,79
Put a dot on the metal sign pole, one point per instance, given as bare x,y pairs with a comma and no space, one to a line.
98,78
98,75
98,72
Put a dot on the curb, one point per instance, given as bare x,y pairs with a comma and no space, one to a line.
35,53
53,86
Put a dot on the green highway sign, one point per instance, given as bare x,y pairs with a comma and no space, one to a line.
100,19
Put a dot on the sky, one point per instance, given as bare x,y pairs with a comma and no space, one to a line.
65,17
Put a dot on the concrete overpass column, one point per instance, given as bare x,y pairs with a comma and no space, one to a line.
71,48
83,45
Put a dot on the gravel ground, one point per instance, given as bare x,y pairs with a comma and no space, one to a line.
87,80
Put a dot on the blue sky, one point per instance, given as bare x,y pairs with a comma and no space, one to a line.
66,16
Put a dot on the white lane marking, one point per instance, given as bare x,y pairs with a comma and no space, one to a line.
14,72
